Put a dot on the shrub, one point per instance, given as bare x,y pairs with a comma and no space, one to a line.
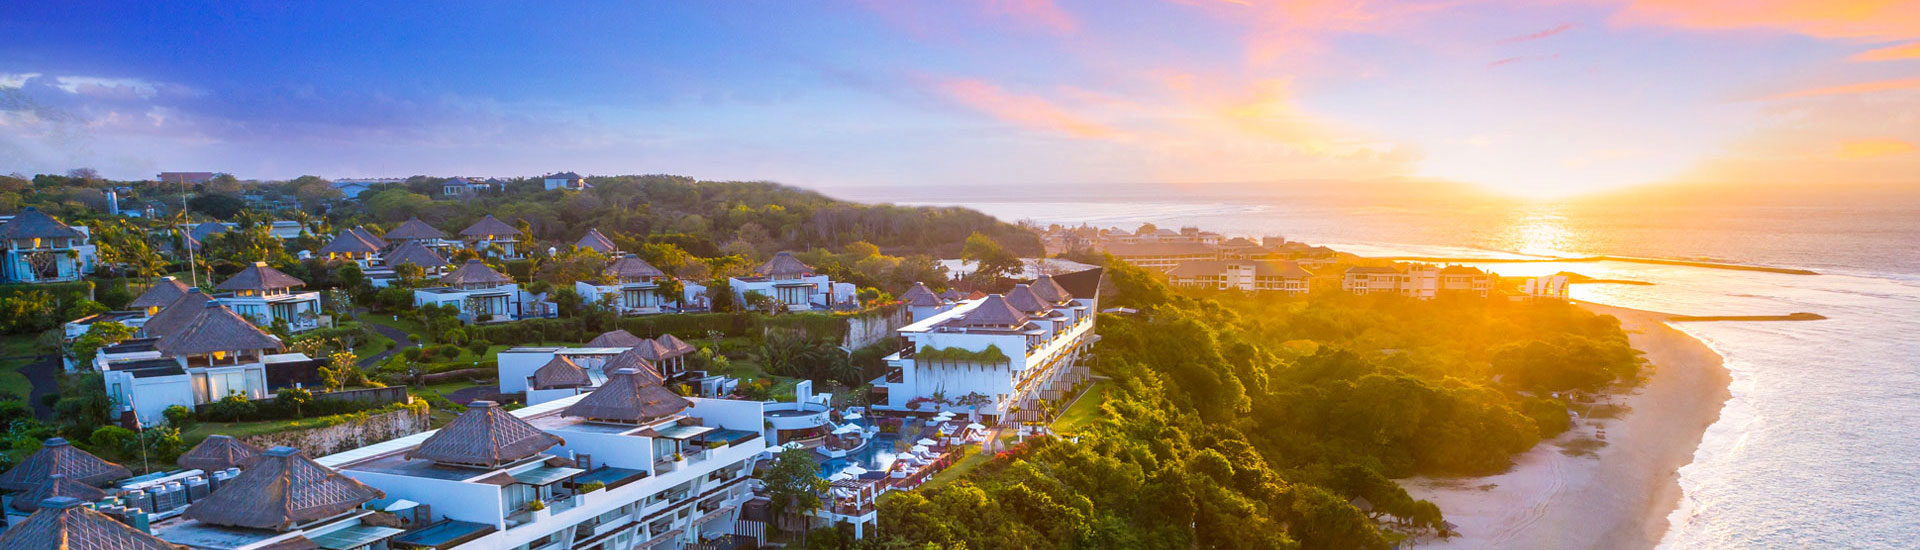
412,354
479,347
110,437
232,408
592,486
448,351
180,416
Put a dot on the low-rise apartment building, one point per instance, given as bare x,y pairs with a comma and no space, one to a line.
1247,275
1420,281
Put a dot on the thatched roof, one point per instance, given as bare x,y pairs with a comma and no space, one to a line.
369,236
414,230
1023,298
677,345
628,397
597,242
920,296
654,351
31,223
177,314
219,452
485,436
560,372
59,457
260,276
1051,291
282,490
64,523
216,329
953,295
161,294
56,485
631,359
474,272
489,225
412,252
631,267
782,264
206,229
994,312
616,338
349,242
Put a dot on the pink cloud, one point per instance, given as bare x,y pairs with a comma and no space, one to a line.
1025,110
1910,50
1043,13
1856,88
1564,27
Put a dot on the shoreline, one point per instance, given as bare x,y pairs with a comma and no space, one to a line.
1564,493
1627,259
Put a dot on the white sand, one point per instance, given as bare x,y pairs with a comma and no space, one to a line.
1618,496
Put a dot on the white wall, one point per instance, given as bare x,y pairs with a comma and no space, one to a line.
470,502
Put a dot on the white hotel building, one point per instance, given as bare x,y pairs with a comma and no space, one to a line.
997,356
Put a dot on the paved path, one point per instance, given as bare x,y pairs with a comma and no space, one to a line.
45,374
398,336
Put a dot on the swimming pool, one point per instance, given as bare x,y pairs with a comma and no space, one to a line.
867,457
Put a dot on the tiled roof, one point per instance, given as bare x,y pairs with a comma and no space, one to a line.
260,276
219,452
56,485
412,252
489,225
920,296
616,338
474,272
597,242
182,311
1461,270
160,294
1126,250
628,397
216,329
560,372
59,457
485,436
414,229
31,223
783,263
284,489
1372,269
64,523
631,267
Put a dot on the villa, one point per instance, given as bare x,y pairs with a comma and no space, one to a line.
597,242
635,287
430,262
352,246
793,284
414,230
491,232
40,249
997,356
264,295
546,373
283,500
160,295
1246,275
192,353
481,294
565,180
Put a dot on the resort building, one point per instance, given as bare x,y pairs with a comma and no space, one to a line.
414,230
1246,275
631,465
1163,255
793,284
40,249
193,353
463,188
565,180
432,265
284,500
597,242
545,373
264,295
352,246
490,232
634,286
1420,281
996,356
481,294
923,303
160,295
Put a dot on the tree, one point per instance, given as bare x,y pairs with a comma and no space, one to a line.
221,207
794,486
180,416
753,300
669,291
294,397
992,262
99,335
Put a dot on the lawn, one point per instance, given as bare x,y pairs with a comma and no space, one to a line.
1084,411
201,430
974,459
11,381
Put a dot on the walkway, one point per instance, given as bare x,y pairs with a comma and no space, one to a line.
44,373
398,336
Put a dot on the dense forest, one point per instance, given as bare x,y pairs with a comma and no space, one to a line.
1246,421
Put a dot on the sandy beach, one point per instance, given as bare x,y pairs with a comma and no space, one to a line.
1567,494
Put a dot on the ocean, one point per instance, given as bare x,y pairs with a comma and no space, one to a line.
1819,446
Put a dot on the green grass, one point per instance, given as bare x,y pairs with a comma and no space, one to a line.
201,430
404,324
1085,411
974,459
11,381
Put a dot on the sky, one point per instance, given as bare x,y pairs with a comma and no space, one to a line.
1541,97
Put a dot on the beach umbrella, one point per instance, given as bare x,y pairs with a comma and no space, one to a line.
839,477
926,442
976,427
845,429
792,445
851,416
919,448
854,471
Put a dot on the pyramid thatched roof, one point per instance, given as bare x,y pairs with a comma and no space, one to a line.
64,523
994,312
206,229
560,372
631,267
485,436
60,457
283,489
216,329
677,345
616,338
628,397
653,351
920,296
1051,291
219,452
1023,298
487,226
631,359
597,242
475,272
783,264
56,485
260,276
412,252
953,295
349,242
414,230
161,294
177,314
31,223
369,236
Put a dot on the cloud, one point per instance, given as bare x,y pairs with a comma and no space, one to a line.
1563,27
16,80
118,88
1850,89
1878,19
1043,13
1875,148
1277,29
1909,50
1025,110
